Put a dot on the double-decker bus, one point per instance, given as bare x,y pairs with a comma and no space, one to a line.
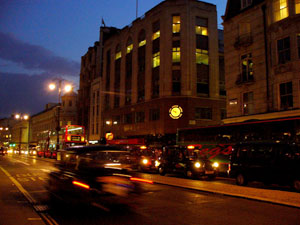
216,141
69,135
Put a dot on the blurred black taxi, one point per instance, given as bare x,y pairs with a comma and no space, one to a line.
181,159
3,151
100,176
148,158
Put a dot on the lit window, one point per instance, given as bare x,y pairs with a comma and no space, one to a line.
233,102
156,35
283,50
142,43
247,67
176,55
281,10
156,59
202,30
201,56
297,6
118,55
129,48
176,24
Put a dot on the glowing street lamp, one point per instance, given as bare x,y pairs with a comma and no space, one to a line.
67,88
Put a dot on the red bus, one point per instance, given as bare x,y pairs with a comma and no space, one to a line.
216,141
69,135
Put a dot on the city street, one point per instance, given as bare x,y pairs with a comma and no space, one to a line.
24,200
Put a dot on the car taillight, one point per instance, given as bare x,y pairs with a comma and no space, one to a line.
141,180
83,185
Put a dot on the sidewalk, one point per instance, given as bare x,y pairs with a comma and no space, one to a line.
266,195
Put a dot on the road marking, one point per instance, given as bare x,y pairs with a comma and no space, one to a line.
27,164
45,170
19,186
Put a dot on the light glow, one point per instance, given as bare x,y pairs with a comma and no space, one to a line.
197,165
68,88
77,183
216,164
52,86
191,147
145,161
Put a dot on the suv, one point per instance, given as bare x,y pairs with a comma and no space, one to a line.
267,162
100,176
189,162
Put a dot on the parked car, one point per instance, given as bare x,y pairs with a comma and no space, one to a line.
100,176
267,162
179,159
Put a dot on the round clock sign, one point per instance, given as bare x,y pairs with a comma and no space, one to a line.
175,112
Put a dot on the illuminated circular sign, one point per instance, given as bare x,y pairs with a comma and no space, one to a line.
109,136
175,112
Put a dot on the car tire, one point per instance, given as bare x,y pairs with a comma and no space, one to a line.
296,185
161,171
241,179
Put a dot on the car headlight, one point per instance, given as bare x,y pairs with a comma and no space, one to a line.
215,164
145,161
197,165
157,163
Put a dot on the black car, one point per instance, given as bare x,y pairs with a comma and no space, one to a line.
3,151
100,176
179,159
267,162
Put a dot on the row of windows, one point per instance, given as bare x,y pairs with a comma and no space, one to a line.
285,95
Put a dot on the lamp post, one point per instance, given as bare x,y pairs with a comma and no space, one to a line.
67,88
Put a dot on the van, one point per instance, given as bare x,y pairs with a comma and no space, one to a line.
266,162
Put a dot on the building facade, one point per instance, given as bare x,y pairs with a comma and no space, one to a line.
262,59
160,73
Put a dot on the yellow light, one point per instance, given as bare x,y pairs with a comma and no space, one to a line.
17,116
1,128
68,88
197,165
143,147
191,147
77,183
82,139
216,164
26,117
69,138
157,163
52,86
145,161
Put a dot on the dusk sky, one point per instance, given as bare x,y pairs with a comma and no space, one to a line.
41,40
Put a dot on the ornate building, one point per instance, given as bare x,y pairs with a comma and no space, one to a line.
262,55
158,74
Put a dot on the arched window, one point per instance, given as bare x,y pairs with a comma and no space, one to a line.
128,75
141,65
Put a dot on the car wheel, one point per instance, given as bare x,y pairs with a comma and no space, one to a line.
241,179
296,185
161,171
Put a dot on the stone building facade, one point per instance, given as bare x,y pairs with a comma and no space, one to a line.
169,57
262,59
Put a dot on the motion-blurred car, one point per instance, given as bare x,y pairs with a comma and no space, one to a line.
3,151
100,176
148,159
179,159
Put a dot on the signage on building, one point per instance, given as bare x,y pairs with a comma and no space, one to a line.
109,136
175,112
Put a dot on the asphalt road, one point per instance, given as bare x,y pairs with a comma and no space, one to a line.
160,204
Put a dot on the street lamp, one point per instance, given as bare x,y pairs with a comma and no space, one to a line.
67,88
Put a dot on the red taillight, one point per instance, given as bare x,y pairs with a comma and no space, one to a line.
77,183
141,180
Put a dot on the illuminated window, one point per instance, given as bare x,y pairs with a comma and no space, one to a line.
281,10
142,43
156,35
248,105
156,59
176,55
297,6
286,95
176,24
201,26
283,50
118,55
247,67
201,56
129,48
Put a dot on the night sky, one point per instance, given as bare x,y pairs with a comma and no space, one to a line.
41,40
